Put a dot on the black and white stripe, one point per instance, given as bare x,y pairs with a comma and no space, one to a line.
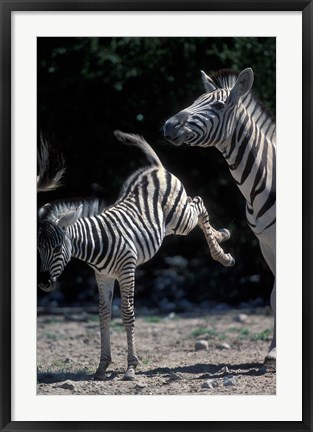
230,118
115,240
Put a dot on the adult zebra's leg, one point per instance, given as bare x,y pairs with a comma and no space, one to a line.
127,287
106,289
270,358
268,248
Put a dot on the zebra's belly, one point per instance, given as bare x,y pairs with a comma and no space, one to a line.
146,253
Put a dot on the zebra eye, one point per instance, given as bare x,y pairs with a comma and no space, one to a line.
218,105
57,250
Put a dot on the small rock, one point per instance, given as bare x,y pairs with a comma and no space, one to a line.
80,317
201,345
229,380
242,318
223,346
68,385
140,385
210,383
224,370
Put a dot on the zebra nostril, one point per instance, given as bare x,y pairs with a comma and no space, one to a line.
170,128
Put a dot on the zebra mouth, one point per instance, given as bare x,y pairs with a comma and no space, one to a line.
181,137
49,286
176,132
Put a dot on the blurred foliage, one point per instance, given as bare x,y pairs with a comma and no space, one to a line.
88,87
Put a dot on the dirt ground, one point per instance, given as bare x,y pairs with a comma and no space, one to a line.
233,343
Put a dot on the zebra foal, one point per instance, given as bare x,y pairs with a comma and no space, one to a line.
231,119
115,240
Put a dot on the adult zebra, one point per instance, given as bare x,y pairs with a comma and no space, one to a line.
115,240
231,119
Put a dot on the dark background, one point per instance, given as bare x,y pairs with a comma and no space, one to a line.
87,88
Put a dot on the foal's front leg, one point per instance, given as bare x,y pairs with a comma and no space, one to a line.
106,289
127,287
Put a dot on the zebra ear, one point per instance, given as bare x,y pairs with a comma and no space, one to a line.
43,211
70,218
207,82
243,84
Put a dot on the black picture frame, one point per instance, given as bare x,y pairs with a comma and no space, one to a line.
6,8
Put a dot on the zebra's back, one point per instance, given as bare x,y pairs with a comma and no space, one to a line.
134,227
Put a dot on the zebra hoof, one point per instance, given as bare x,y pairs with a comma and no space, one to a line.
101,374
232,262
225,234
270,361
107,376
130,374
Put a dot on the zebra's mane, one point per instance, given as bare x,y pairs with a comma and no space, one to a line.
226,79
91,206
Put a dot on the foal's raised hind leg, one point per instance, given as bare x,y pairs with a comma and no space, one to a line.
213,237
196,214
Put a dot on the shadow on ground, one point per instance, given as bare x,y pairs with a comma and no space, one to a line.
206,371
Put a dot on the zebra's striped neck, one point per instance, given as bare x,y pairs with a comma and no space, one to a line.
251,157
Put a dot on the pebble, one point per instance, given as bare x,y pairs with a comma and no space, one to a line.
68,385
242,318
229,380
83,317
210,383
140,385
201,345
223,346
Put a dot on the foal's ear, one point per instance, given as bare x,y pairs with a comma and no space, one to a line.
208,82
70,218
243,84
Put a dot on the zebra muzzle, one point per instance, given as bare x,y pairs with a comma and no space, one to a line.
48,286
